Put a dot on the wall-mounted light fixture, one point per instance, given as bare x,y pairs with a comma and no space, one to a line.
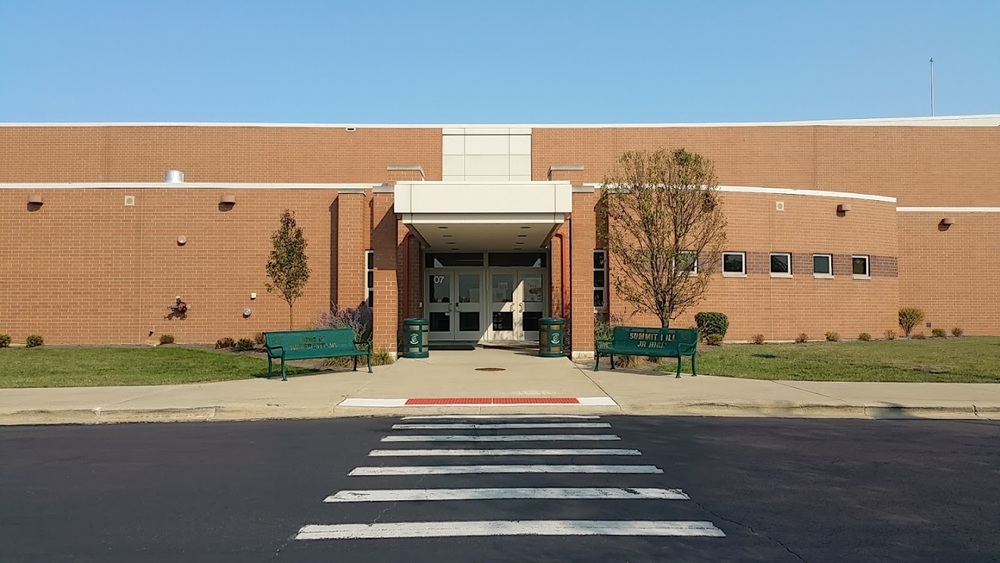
562,168
407,168
181,240
843,207
228,200
947,222
35,199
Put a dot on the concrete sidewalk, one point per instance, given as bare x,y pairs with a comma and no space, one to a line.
491,381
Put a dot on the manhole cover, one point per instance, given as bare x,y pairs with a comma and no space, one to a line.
490,369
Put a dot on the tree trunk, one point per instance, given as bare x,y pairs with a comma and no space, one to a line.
290,323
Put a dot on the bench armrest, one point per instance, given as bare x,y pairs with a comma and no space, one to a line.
275,351
367,344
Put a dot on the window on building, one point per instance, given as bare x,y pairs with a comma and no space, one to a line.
781,264
734,263
370,277
859,266
600,280
687,261
823,265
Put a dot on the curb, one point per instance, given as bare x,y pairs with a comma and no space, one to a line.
721,409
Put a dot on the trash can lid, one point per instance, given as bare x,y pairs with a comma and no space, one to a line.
551,321
411,322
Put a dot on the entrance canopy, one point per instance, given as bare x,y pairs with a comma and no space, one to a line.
499,216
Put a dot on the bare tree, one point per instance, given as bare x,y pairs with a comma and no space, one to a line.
664,229
288,266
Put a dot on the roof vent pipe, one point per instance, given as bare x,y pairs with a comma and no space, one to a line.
174,177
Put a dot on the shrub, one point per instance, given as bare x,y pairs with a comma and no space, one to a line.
757,339
832,336
712,323
258,339
225,343
4,340
890,334
937,333
801,339
956,332
34,340
359,319
244,344
919,336
382,357
910,318
623,361
166,339
713,339
864,337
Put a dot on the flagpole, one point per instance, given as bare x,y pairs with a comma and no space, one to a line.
932,87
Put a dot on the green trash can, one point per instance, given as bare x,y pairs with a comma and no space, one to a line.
550,337
415,334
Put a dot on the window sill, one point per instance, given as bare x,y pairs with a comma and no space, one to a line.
857,277
823,276
733,275
773,275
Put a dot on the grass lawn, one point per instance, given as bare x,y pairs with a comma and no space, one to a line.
951,360
46,366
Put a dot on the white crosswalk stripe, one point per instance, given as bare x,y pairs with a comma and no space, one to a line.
503,452
551,493
503,438
484,469
509,528
502,426
515,527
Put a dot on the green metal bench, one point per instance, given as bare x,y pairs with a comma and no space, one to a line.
658,342
309,344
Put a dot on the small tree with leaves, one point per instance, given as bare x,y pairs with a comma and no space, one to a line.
662,221
288,266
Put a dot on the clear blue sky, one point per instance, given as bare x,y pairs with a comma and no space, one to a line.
498,61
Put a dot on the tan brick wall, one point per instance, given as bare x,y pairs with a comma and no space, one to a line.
921,166
952,274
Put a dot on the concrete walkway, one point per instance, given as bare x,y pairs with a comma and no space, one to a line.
492,381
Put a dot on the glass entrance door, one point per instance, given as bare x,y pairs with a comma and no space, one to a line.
517,302
454,305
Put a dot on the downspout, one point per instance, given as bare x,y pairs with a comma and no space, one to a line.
563,265
406,274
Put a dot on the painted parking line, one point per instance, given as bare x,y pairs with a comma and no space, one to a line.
487,469
505,438
502,452
499,426
509,528
549,493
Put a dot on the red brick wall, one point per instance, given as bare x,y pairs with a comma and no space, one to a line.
214,154
86,268
921,166
952,274
782,308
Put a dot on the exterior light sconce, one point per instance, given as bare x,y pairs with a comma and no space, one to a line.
35,199
181,240
562,168
226,202
946,222
843,208
407,168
